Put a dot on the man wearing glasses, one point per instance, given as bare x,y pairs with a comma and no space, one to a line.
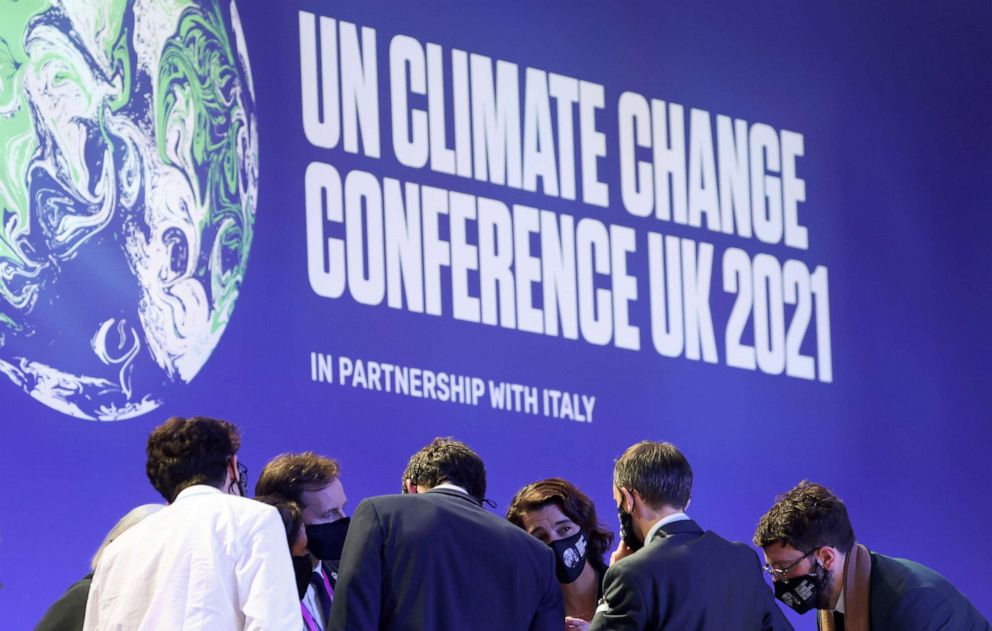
668,573
212,559
816,563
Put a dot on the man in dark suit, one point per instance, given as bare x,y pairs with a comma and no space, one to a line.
434,559
816,563
667,573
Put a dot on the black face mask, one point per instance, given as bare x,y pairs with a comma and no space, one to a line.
627,530
570,557
803,592
242,482
326,541
303,569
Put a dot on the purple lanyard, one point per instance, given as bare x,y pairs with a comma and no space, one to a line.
307,616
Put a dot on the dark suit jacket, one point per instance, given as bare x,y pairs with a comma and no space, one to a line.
907,596
66,613
687,579
438,560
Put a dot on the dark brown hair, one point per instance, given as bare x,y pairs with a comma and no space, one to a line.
575,504
451,461
183,452
289,475
289,512
806,517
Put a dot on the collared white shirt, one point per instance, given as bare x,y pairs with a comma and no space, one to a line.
661,522
312,603
209,561
840,602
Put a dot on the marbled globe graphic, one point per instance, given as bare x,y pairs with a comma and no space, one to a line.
128,186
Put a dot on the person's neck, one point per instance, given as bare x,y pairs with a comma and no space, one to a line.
655,515
580,595
837,579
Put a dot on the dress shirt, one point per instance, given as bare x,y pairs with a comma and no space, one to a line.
312,603
206,562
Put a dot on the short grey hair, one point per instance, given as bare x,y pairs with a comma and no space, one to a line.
133,517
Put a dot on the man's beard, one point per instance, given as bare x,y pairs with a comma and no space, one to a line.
823,597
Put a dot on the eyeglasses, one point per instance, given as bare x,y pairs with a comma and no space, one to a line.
783,574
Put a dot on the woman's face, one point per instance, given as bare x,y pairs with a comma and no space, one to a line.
300,543
549,524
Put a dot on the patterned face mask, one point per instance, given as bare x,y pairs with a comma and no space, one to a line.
570,557
802,592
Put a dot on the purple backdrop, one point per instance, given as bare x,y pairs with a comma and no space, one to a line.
893,109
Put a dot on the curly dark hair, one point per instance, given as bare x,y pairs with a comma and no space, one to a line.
290,475
451,461
807,517
575,504
657,471
289,512
183,452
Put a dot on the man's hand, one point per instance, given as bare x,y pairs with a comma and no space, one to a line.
622,551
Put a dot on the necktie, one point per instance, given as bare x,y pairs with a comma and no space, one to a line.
317,580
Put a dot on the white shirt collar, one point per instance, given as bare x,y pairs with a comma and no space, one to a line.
196,489
680,516
840,602
448,485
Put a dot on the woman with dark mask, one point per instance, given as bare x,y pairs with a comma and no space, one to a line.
559,514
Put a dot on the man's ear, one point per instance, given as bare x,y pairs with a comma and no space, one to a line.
627,499
410,487
830,558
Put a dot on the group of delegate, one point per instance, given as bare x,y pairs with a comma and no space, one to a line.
433,558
